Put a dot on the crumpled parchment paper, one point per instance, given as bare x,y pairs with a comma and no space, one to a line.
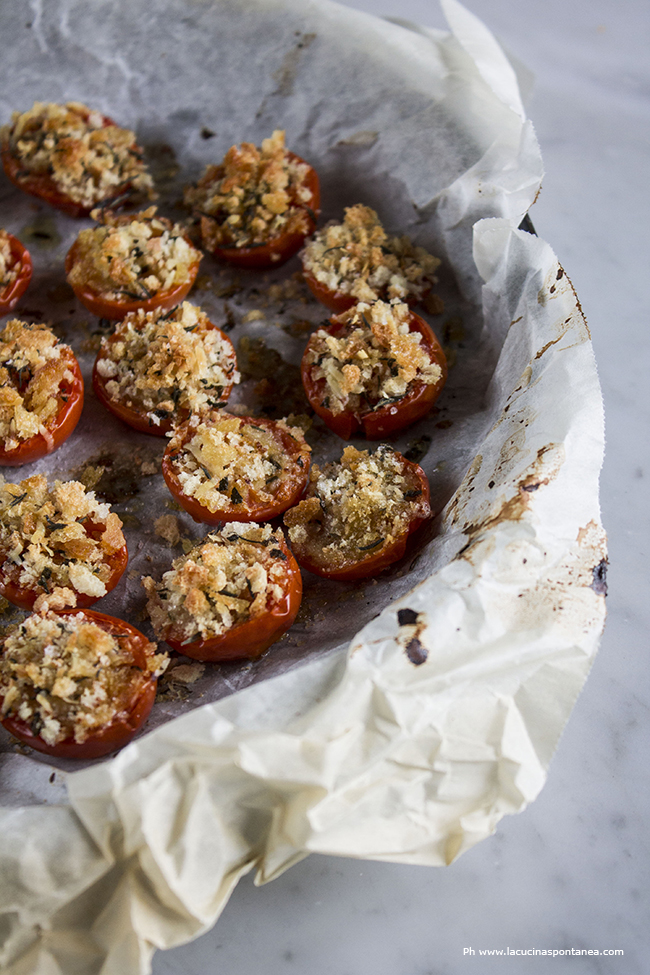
398,736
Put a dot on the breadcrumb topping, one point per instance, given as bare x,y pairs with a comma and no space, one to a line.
373,361
355,506
253,196
9,268
228,578
358,258
86,159
132,257
68,677
232,460
34,366
56,541
165,363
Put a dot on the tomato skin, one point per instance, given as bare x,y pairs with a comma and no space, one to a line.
137,420
117,309
378,424
15,290
124,726
278,249
59,429
374,563
43,186
25,598
250,639
290,494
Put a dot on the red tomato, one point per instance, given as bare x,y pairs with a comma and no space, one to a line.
251,507
251,638
131,414
118,308
379,423
59,428
380,558
25,597
43,186
278,249
16,288
126,723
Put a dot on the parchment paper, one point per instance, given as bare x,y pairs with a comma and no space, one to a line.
354,735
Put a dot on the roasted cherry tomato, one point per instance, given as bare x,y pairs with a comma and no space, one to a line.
258,206
70,396
11,293
117,308
328,528
247,638
278,249
25,596
357,260
374,420
238,495
164,342
45,188
134,710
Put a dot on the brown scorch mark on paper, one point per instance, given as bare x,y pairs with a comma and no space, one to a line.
412,625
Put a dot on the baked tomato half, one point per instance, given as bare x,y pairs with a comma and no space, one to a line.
356,260
258,207
376,369
41,393
130,263
232,596
358,514
73,158
221,467
157,368
15,271
59,546
77,683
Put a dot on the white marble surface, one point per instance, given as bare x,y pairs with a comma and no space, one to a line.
572,870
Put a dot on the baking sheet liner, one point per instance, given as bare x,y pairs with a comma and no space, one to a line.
355,735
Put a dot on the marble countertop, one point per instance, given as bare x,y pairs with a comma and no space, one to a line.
572,870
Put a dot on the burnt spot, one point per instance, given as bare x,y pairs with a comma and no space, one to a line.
599,584
407,617
416,653
412,624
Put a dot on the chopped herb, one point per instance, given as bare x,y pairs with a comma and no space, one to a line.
235,496
276,553
366,548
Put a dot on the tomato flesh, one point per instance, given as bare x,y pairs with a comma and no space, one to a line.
124,725
71,400
379,423
10,296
